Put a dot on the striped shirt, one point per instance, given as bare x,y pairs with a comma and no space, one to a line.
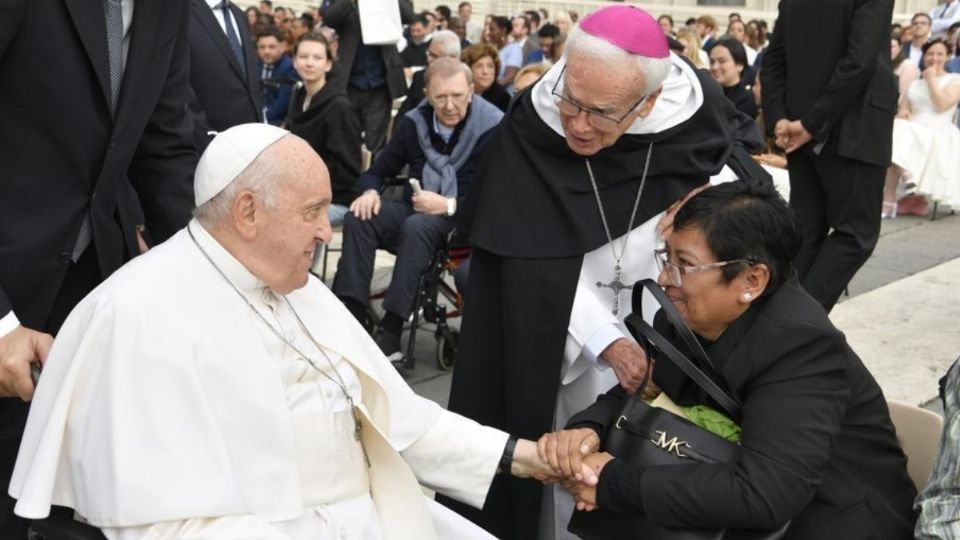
939,502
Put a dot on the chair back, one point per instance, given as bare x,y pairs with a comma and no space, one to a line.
918,431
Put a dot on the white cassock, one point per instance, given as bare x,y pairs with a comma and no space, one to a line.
167,409
593,326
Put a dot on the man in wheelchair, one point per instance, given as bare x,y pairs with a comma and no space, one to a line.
441,141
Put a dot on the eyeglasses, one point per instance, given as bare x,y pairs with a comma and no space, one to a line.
456,99
598,120
675,271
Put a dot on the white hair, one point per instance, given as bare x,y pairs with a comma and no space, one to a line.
262,177
653,71
449,41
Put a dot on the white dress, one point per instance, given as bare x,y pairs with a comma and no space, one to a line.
928,144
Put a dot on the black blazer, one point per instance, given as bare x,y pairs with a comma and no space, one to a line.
817,447
343,16
839,85
332,127
62,153
223,96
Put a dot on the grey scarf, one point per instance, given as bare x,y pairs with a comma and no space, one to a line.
440,171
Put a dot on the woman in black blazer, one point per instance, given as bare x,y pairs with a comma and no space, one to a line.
322,115
818,448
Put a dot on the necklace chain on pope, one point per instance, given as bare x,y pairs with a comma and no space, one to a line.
616,285
357,426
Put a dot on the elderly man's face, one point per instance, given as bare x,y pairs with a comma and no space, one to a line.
450,97
606,88
287,235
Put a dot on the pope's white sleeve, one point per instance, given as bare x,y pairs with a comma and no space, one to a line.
457,457
244,527
8,323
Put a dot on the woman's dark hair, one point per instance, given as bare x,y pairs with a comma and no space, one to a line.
737,52
901,56
745,220
935,41
314,35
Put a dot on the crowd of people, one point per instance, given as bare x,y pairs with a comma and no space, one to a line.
196,382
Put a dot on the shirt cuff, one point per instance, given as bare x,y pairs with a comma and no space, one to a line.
599,341
8,323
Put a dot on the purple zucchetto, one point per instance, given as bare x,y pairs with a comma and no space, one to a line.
628,27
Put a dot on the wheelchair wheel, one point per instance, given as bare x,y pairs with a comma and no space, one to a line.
447,346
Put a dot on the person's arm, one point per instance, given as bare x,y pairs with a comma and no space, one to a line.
19,347
406,11
855,68
792,415
338,13
343,142
773,77
11,15
162,168
943,98
391,159
939,501
942,24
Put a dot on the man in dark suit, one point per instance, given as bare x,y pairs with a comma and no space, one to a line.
831,103
223,70
276,74
372,75
93,144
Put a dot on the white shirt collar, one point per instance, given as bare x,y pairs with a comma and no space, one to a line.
214,3
682,96
443,131
235,271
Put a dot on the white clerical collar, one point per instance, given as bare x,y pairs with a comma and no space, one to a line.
235,271
682,96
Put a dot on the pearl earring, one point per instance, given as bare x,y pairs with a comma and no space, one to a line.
747,296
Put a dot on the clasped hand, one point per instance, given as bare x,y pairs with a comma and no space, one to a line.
791,135
575,463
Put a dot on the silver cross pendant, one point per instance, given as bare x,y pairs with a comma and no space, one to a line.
615,286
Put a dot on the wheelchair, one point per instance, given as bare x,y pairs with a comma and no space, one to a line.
436,301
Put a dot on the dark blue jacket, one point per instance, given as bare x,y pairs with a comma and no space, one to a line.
276,93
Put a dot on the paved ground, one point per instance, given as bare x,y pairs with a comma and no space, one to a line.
901,316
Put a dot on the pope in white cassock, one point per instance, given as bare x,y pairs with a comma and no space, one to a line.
210,389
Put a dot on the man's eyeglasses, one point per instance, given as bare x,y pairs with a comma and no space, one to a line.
456,99
600,121
675,271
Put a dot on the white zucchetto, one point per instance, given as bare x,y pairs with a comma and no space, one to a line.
228,154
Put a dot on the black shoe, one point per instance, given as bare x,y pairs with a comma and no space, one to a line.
389,344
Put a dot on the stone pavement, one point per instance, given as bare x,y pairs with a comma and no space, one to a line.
901,317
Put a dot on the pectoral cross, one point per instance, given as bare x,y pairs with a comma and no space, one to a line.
616,286
358,430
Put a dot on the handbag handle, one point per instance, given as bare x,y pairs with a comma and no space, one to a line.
727,402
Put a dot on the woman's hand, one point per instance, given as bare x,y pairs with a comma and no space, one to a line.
585,495
565,450
527,463
367,205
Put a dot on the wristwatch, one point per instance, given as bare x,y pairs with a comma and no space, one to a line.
451,206
506,460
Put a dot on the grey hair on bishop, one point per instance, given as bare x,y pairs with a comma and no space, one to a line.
262,177
653,70
449,41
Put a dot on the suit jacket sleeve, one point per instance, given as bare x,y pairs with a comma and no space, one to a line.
872,23
338,13
11,14
343,143
162,168
406,11
773,77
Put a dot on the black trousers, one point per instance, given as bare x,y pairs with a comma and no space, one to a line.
412,236
837,201
81,278
374,108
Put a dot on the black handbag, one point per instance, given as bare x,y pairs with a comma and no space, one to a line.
648,436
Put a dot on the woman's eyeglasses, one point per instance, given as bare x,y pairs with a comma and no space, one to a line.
676,271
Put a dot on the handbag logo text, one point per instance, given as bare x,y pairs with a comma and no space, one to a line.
669,444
